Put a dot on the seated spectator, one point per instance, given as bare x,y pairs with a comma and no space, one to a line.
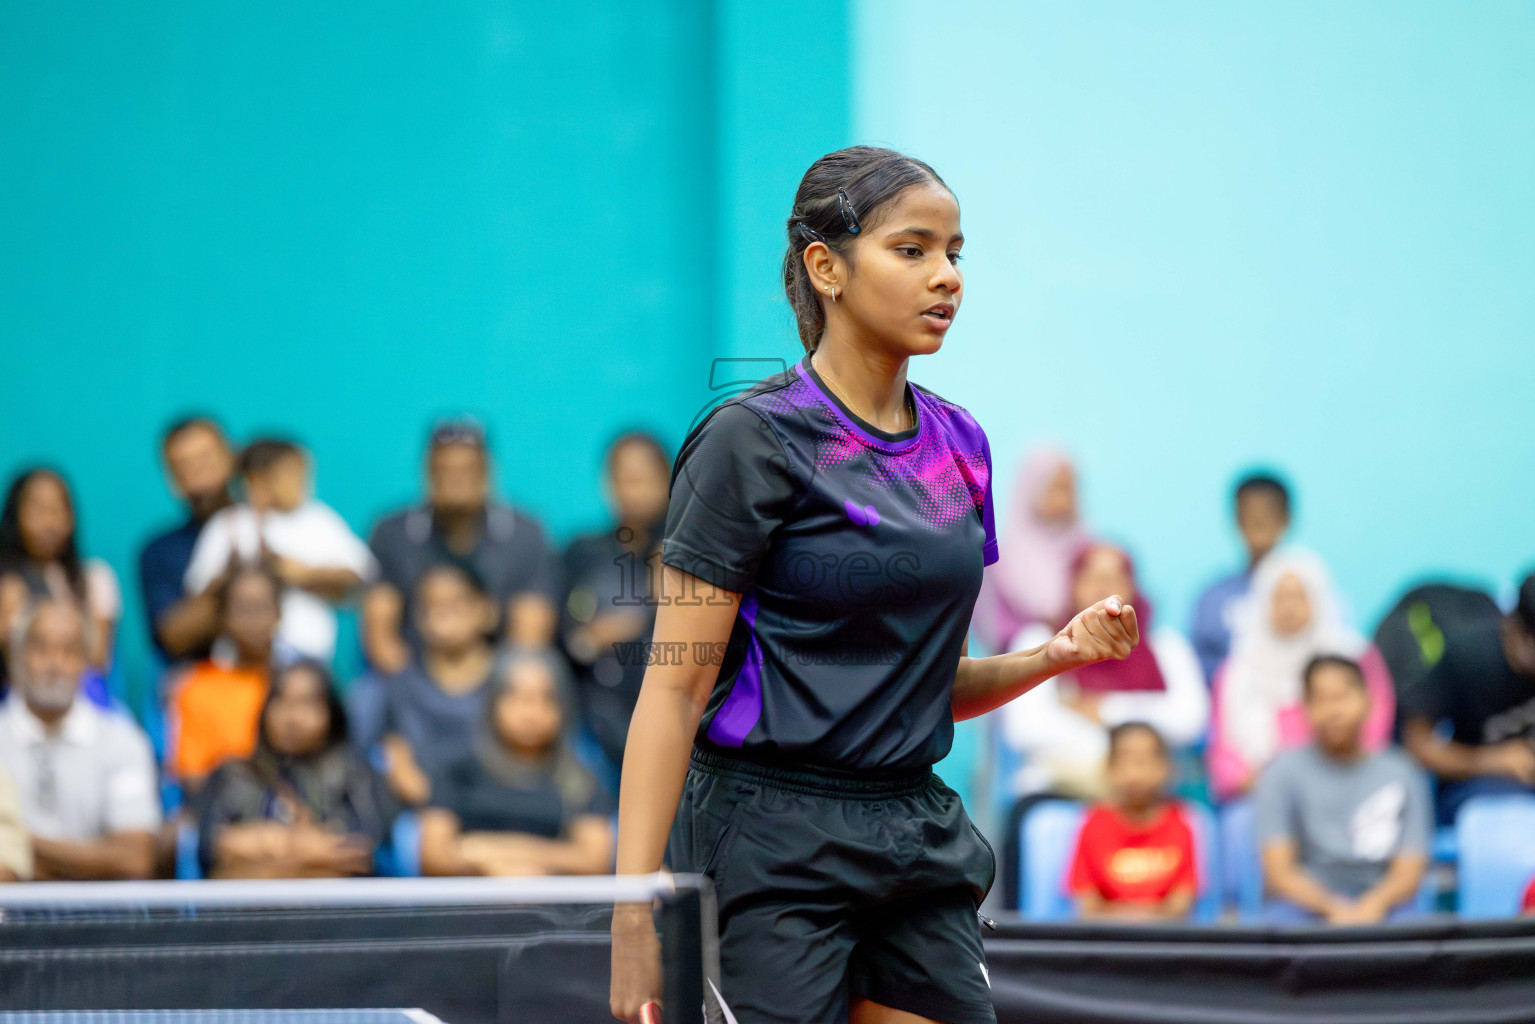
302,540
305,805
521,803
216,704
459,523
1263,517
1061,727
426,715
1344,833
1484,687
40,558
1135,853
198,459
609,599
1031,583
15,844
89,795
1291,616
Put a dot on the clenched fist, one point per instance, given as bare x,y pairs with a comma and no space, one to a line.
1102,631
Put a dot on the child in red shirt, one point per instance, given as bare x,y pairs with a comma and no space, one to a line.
1135,853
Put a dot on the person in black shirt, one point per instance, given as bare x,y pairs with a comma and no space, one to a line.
198,458
1484,685
520,802
821,559
608,610
305,804
461,523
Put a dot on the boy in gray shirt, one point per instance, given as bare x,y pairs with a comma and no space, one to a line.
1345,833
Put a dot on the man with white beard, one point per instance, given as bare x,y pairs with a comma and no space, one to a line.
86,776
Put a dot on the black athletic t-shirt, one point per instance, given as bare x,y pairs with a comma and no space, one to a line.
1474,687
858,554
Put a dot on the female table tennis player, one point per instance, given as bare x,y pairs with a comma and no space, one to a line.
826,535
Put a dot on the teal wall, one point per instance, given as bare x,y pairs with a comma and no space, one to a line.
1202,235
339,221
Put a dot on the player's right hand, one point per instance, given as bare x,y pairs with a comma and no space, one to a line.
636,961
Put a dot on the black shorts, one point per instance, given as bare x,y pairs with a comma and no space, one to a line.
834,886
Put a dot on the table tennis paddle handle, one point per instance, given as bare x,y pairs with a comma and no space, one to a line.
650,1013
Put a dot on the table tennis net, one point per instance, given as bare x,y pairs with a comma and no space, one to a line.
363,951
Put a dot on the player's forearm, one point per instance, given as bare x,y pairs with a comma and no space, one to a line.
655,765
985,684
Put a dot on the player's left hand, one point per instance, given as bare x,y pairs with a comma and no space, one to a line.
1105,630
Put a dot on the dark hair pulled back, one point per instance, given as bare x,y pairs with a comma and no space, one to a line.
842,194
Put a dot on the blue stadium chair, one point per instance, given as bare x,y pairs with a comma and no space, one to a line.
400,857
1497,854
1048,838
188,867
1242,873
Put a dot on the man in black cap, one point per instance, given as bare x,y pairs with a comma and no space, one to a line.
460,524
1483,686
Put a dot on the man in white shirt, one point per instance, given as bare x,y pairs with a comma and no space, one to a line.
85,776
310,548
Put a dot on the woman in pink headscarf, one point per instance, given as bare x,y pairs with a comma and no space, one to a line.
1031,581
1292,614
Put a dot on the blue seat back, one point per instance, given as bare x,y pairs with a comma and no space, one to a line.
1048,838
1496,837
1241,869
400,856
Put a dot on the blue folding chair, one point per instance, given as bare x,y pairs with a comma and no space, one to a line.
1496,837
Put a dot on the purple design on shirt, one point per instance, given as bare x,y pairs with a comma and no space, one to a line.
738,715
947,463
863,515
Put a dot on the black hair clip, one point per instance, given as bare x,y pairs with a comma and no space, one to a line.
849,215
810,234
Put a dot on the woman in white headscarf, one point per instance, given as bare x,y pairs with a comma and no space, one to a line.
1031,581
1291,615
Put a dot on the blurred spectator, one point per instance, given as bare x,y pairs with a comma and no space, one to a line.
199,462
1527,903
1345,833
459,523
609,600
1484,686
1135,853
1291,615
1031,582
305,805
216,704
1061,727
89,794
521,803
426,715
40,558
15,845
302,540
1263,516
